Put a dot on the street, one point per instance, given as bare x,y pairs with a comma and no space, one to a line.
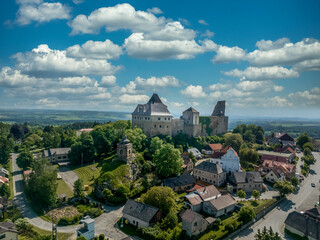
300,201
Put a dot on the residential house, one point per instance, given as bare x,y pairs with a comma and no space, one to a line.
8,231
84,130
4,172
286,149
3,205
140,214
276,156
220,206
288,169
55,155
246,181
194,223
229,160
195,152
281,138
3,180
87,230
212,148
180,183
187,164
276,174
210,172
305,224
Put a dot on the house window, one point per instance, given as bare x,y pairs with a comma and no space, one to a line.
167,126
160,126
64,157
145,118
155,126
195,224
165,118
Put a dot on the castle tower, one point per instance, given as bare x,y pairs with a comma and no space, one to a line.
124,149
219,109
191,122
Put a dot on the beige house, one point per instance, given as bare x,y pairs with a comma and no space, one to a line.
246,181
194,223
55,155
8,231
220,206
276,174
210,172
187,164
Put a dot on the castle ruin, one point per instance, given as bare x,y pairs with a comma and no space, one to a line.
155,119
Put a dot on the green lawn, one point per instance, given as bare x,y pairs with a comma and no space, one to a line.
64,188
261,206
61,236
88,174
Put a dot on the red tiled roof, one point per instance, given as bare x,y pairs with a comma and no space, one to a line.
274,158
4,179
215,146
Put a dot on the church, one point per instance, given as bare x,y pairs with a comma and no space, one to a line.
154,119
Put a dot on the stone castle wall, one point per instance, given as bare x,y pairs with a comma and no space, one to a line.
212,125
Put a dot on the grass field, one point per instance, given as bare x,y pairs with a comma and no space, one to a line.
88,174
64,188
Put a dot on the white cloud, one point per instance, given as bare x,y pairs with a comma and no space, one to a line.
306,98
166,81
307,65
265,45
138,47
207,34
95,49
108,81
133,99
154,10
220,86
194,91
264,73
177,104
228,54
45,62
39,11
288,54
13,78
77,1
203,22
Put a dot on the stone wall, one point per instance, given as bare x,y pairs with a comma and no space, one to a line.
212,125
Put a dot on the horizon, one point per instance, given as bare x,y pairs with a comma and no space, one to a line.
263,58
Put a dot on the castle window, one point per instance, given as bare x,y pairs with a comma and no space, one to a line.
148,118
165,118
145,118
155,126
167,126
159,119
160,126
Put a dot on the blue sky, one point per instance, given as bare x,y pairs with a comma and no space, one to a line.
262,57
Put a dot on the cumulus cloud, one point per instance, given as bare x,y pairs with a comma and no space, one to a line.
45,62
285,53
154,10
77,1
307,65
139,47
203,22
96,50
40,11
207,34
306,98
108,81
13,78
194,91
263,73
228,54
133,99
220,86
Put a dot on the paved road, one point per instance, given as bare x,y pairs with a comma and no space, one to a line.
303,200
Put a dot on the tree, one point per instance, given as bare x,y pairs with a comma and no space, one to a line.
308,145
256,194
33,140
284,187
101,237
168,161
25,159
160,197
5,190
155,144
136,137
78,188
51,139
192,157
170,221
234,140
303,139
294,181
6,145
241,194
83,150
306,151
267,235
248,155
41,185
17,131
104,139
246,214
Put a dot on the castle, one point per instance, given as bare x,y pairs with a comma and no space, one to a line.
154,119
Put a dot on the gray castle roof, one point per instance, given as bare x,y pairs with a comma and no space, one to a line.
154,107
191,109
210,167
139,210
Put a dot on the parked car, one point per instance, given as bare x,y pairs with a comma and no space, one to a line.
313,185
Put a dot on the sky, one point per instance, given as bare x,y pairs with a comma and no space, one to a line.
262,57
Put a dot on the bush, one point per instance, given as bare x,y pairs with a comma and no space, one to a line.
94,212
70,220
101,237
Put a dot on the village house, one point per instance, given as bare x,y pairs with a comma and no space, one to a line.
195,152
180,183
55,155
276,156
280,168
4,172
212,148
187,166
140,214
286,149
228,159
87,230
3,180
8,231
84,130
281,138
210,172
194,223
209,200
305,224
246,181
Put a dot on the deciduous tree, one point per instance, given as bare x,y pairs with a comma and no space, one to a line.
78,188
25,159
241,194
234,140
284,187
246,214
256,194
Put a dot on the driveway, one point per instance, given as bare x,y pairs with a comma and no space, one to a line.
300,201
